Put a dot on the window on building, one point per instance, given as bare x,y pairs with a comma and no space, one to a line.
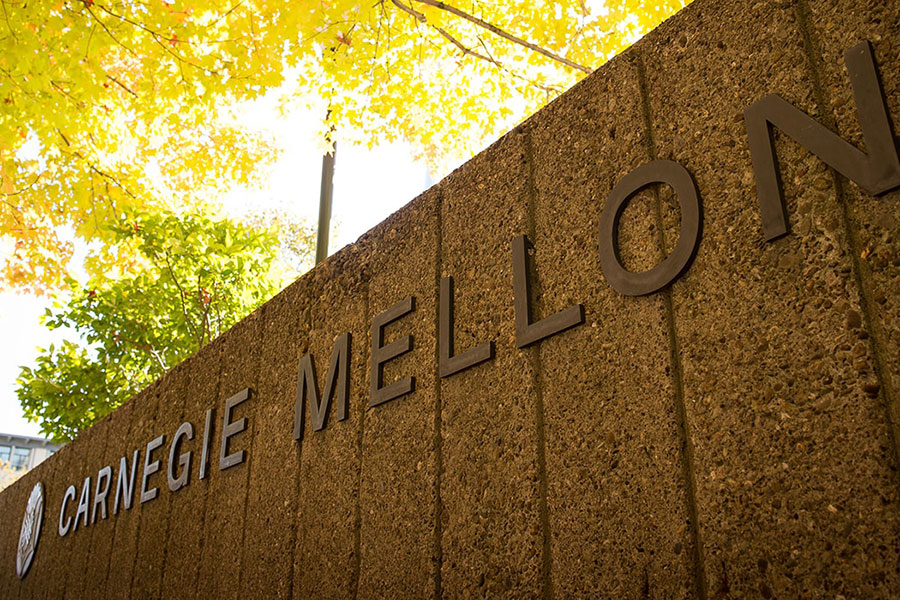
4,454
20,458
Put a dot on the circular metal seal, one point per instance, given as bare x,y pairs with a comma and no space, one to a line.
31,530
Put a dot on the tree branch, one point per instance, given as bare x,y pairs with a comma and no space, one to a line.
63,136
423,19
110,177
107,30
77,103
16,83
206,329
149,350
21,191
230,10
548,89
94,168
6,17
87,46
157,37
187,320
468,51
121,85
218,312
507,36
93,205
18,221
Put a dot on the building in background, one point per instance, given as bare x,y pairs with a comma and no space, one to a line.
21,453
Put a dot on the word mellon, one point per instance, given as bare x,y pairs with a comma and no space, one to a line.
876,172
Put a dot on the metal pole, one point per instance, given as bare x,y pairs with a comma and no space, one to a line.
325,194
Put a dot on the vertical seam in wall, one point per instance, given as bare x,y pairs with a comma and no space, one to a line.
112,541
254,395
91,540
209,457
165,553
437,548
547,591
357,509
9,587
687,448
205,502
296,525
810,48
137,532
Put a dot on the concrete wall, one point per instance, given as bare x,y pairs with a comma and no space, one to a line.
729,436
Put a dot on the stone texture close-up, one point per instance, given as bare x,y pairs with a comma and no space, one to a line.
731,435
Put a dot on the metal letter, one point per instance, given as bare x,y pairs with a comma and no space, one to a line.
176,483
381,354
83,504
104,475
207,438
150,468
337,381
450,364
876,172
230,429
69,495
639,284
125,485
528,333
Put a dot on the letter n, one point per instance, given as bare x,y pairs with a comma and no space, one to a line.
876,172
336,382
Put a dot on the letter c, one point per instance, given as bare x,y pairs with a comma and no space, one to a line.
69,495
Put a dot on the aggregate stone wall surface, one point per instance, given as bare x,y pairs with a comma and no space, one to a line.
728,436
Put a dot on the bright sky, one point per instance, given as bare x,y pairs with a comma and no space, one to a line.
369,185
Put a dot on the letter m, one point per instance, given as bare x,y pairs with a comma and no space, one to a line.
876,172
337,381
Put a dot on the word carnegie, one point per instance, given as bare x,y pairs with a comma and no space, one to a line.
89,509
877,172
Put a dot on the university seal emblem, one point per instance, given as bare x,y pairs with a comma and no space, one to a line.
31,530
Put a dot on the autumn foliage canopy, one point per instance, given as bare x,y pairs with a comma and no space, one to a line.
110,104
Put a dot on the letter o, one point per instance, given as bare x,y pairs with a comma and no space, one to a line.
639,284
